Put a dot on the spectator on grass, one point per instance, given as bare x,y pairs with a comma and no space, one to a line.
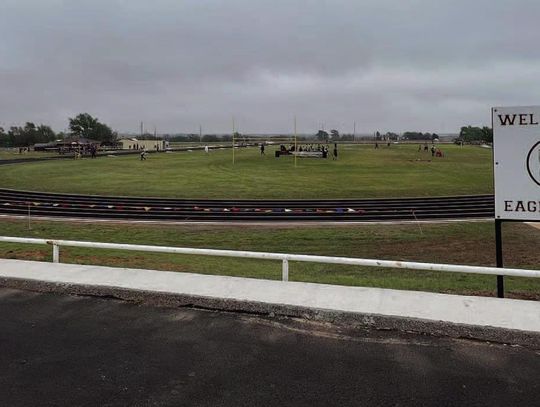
334,157
262,149
206,149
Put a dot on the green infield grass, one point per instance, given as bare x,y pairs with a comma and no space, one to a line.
360,172
454,243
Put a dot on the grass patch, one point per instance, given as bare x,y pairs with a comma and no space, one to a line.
360,172
458,243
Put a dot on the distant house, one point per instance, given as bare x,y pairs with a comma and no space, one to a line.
136,144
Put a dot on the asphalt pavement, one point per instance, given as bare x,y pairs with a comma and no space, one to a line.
73,351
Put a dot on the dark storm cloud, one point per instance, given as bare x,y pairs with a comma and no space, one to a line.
388,65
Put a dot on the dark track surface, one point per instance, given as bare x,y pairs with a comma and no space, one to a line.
60,350
136,208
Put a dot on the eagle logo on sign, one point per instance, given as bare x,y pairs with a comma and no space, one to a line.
533,163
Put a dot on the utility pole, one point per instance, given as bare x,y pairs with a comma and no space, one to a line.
354,132
141,129
200,133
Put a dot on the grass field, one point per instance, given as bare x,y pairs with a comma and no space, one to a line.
360,172
457,243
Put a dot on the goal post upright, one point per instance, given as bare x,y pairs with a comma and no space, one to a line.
295,144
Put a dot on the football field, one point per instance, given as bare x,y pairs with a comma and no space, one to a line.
359,172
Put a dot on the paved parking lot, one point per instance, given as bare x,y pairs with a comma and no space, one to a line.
68,350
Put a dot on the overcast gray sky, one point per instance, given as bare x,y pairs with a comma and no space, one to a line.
389,65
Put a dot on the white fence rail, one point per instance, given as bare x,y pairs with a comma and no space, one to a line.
285,258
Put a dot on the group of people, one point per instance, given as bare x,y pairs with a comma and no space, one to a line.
435,151
81,151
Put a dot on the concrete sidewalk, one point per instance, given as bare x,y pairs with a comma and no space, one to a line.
504,320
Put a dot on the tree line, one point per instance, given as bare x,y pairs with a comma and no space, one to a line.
86,126
26,136
82,125
470,134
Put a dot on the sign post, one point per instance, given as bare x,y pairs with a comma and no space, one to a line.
499,255
516,163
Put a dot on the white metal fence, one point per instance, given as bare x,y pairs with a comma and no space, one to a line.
285,258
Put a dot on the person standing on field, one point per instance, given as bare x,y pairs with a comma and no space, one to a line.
262,149
334,157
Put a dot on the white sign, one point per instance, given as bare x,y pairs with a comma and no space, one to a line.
516,155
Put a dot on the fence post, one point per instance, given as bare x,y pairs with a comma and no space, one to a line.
55,253
285,270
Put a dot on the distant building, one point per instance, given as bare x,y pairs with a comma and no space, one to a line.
67,144
136,144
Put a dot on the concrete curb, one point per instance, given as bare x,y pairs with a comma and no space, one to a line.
266,224
350,320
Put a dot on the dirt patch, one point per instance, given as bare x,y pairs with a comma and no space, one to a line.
450,252
520,243
35,255
131,262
